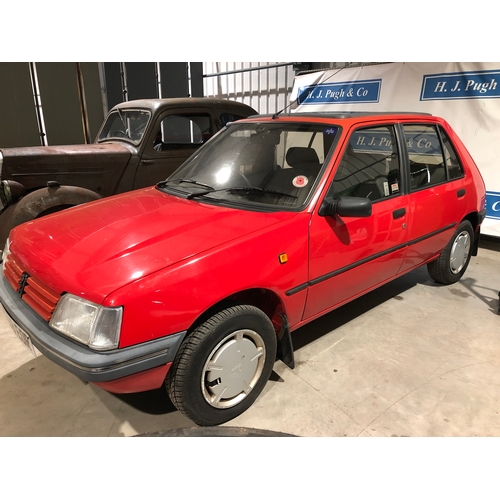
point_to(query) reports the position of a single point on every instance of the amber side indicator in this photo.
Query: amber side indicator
(283, 258)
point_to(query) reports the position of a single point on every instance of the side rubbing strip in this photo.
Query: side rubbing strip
(296, 289)
(430, 235)
(356, 264)
(325, 277)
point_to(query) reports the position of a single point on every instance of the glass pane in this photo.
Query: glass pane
(455, 170)
(182, 131)
(426, 157)
(126, 125)
(274, 164)
(370, 165)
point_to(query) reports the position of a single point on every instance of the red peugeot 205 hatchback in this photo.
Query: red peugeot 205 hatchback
(198, 282)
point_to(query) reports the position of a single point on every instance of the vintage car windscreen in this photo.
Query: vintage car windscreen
(128, 125)
(259, 164)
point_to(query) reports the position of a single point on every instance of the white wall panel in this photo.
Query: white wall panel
(267, 90)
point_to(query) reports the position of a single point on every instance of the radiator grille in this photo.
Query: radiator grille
(35, 293)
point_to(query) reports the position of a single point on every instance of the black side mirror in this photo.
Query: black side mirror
(346, 207)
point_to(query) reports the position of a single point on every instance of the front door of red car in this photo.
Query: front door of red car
(350, 255)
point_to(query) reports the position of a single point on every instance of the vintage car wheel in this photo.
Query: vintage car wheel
(450, 266)
(223, 365)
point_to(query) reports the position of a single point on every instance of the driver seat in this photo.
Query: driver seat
(303, 162)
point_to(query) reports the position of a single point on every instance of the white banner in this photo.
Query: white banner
(467, 95)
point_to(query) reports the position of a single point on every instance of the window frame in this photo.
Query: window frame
(436, 127)
(392, 128)
(189, 116)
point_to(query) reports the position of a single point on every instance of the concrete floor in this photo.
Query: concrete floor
(411, 359)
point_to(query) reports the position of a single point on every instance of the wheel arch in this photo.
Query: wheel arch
(271, 305)
(43, 201)
(47, 199)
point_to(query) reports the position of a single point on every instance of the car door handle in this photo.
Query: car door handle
(400, 212)
(461, 193)
(147, 162)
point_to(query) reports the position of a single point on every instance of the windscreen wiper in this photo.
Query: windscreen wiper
(241, 188)
(189, 181)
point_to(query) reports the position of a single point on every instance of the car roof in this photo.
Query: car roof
(347, 118)
(160, 104)
(348, 114)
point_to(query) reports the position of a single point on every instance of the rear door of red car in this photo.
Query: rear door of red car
(350, 255)
(438, 191)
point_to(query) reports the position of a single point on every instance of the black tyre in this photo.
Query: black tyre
(223, 365)
(450, 266)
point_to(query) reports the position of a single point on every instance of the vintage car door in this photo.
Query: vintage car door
(177, 134)
(350, 255)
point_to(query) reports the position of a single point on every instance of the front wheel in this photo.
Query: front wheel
(223, 365)
(450, 266)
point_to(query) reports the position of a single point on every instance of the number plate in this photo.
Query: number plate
(23, 336)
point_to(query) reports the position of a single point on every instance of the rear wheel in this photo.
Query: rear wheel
(450, 266)
(223, 365)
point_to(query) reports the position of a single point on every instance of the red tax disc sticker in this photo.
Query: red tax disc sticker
(300, 181)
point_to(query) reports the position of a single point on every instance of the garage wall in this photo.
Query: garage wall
(66, 102)
(40, 103)
(150, 80)
(266, 86)
(48, 108)
(18, 122)
(60, 98)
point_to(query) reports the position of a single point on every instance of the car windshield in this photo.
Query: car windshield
(256, 164)
(127, 124)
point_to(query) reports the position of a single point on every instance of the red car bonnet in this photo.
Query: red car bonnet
(102, 246)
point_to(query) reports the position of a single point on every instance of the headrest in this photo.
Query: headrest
(297, 156)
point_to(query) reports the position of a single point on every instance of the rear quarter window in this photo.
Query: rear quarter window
(453, 165)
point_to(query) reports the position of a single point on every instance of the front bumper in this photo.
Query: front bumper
(80, 360)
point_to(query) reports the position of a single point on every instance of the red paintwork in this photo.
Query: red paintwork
(91, 251)
(335, 245)
(167, 260)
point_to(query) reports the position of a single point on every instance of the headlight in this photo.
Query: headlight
(4, 195)
(10, 192)
(5, 254)
(88, 323)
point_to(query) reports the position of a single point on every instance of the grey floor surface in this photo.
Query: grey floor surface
(410, 359)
